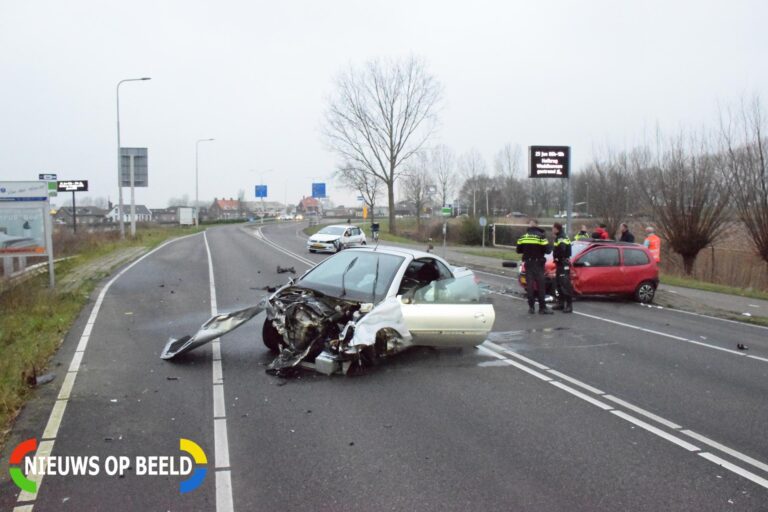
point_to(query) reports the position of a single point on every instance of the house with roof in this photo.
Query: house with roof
(309, 205)
(142, 214)
(225, 209)
(85, 215)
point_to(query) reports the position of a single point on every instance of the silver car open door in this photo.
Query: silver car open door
(448, 312)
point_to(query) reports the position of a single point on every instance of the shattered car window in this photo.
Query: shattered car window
(449, 291)
(351, 275)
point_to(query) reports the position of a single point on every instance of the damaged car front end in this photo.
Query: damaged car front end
(360, 306)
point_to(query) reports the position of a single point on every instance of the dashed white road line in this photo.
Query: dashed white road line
(224, 500)
(636, 421)
(45, 447)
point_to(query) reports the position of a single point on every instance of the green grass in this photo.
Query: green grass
(688, 282)
(489, 253)
(35, 319)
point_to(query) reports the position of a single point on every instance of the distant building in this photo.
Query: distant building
(142, 214)
(168, 215)
(85, 215)
(309, 205)
(226, 209)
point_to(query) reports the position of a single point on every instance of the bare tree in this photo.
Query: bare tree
(362, 182)
(472, 165)
(416, 185)
(443, 164)
(380, 116)
(509, 171)
(687, 193)
(610, 180)
(508, 161)
(745, 155)
(179, 201)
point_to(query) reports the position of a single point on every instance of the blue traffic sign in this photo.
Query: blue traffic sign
(261, 191)
(318, 190)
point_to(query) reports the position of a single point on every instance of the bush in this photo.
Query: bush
(470, 232)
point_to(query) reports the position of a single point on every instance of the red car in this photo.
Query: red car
(604, 267)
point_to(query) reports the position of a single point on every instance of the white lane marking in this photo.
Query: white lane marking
(224, 500)
(647, 414)
(44, 449)
(263, 238)
(714, 318)
(516, 355)
(659, 333)
(650, 428)
(736, 469)
(581, 395)
(584, 385)
(725, 449)
(758, 358)
(224, 482)
(66, 387)
(221, 443)
(74, 366)
(57, 412)
(515, 364)
(494, 275)
(23, 508)
(219, 409)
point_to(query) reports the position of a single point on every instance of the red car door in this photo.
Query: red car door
(596, 271)
(636, 267)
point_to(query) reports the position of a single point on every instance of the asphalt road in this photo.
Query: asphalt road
(617, 407)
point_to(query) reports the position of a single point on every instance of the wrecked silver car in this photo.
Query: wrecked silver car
(359, 306)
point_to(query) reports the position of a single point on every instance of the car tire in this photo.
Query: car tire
(312, 251)
(270, 336)
(645, 292)
(338, 246)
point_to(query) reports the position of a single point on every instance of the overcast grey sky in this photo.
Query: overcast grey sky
(256, 75)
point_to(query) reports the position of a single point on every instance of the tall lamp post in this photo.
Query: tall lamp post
(119, 173)
(197, 197)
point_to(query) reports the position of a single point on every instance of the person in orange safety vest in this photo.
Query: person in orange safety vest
(653, 243)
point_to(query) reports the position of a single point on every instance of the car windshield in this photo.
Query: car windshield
(331, 230)
(577, 248)
(352, 275)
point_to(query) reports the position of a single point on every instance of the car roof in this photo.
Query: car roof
(400, 251)
(344, 226)
(608, 242)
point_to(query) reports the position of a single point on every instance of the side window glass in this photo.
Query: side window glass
(635, 257)
(603, 257)
(462, 290)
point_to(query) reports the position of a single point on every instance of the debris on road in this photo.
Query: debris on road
(742, 346)
(171, 378)
(285, 270)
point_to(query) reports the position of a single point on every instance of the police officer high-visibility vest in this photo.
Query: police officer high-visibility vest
(653, 243)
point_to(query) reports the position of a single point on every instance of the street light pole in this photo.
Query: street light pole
(119, 173)
(197, 197)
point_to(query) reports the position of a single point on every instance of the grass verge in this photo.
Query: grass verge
(687, 282)
(35, 319)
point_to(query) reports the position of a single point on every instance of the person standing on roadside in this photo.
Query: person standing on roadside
(583, 234)
(626, 235)
(562, 255)
(600, 233)
(653, 243)
(534, 247)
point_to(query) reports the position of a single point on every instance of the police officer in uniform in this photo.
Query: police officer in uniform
(562, 256)
(533, 245)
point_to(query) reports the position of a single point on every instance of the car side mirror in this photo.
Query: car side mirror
(509, 264)
(405, 299)
(580, 264)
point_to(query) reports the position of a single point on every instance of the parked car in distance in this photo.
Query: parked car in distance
(336, 237)
(607, 268)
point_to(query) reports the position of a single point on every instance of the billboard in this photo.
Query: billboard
(549, 161)
(73, 186)
(140, 167)
(23, 211)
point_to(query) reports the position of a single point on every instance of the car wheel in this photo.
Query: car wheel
(337, 244)
(645, 292)
(270, 336)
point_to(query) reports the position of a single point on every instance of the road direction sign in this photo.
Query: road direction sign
(140, 167)
(261, 191)
(318, 190)
(446, 211)
(47, 177)
(483, 221)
